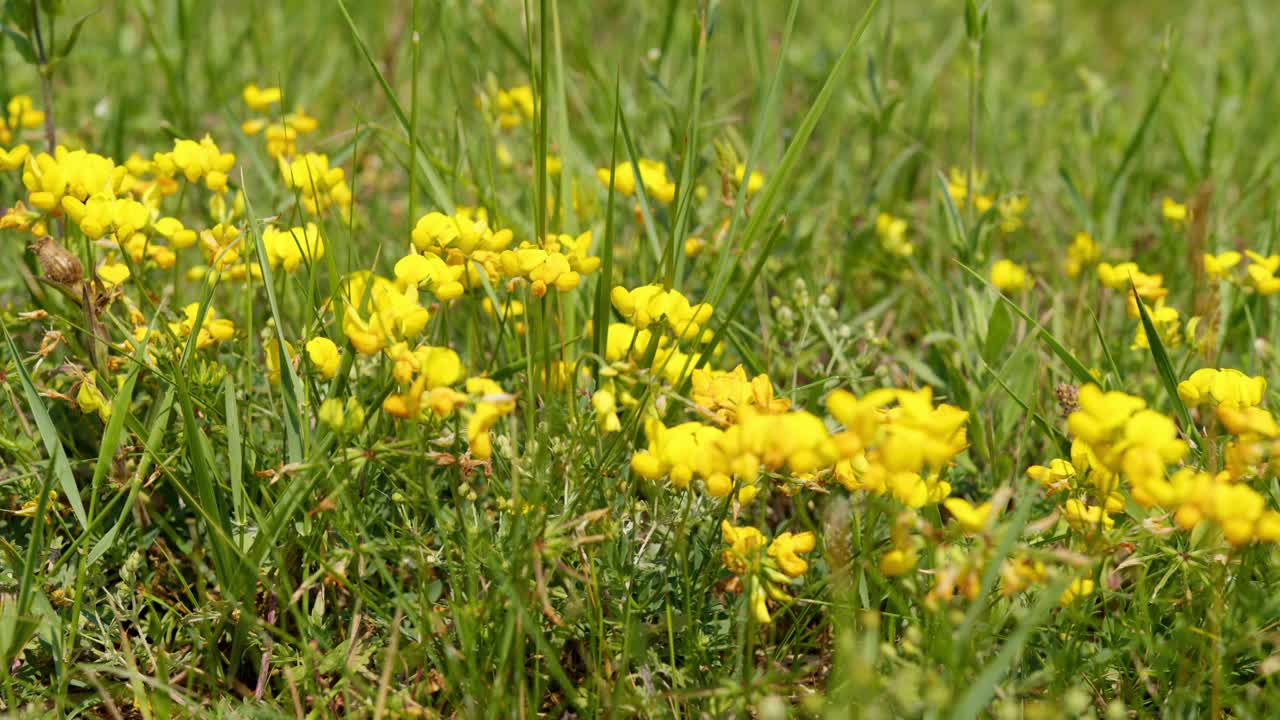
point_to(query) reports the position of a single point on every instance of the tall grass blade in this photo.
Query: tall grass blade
(48, 433)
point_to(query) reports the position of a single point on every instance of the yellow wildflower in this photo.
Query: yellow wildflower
(1174, 211)
(1008, 276)
(324, 355)
(1227, 387)
(971, 518)
(1082, 253)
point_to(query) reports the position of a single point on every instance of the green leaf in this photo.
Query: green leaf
(999, 327)
(48, 433)
(1078, 369)
(1168, 377)
(954, 222)
(70, 43)
(1139, 134)
(159, 426)
(972, 20)
(22, 14)
(22, 44)
(235, 447)
(290, 384)
(642, 193)
(119, 411)
(16, 630)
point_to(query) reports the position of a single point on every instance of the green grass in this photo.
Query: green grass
(209, 547)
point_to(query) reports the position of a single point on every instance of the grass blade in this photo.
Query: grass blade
(604, 283)
(983, 688)
(439, 192)
(289, 382)
(48, 434)
(1168, 377)
(770, 196)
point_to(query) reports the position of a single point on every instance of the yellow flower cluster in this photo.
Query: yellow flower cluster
(281, 136)
(292, 248)
(653, 176)
(1008, 209)
(381, 312)
(652, 305)
(77, 174)
(431, 273)
(463, 239)
(1008, 276)
(1227, 387)
(1126, 277)
(1082, 253)
(897, 442)
(892, 232)
(721, 394)
(20, 115)
(514, 105)
(1117, 437)
(319, 186)
(765, 568)
(1118, 277)
(425, 374)
(1251, 270)
(1173, 211)
(211, 331)
(196, 161)
(559, 261)
(490, 403)
(104, 200)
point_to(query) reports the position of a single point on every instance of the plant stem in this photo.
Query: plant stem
(46, 80)
(975, 55)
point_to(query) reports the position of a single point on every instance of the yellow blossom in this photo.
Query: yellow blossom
(432, 273)
(1054, 477)
(260, 99)
(1008, 276)
(1174, 211)
(1081, 587)
(971, 518)
(653, 175)
(290, 249)
(892, 232)
(113, 273)
(1227, 387)
(324, 355)
(721, 393)
(786, 548)
(1082, 253)
(211, 331)
(753, 184)
(745, 544)
(651, 304)
(90, 398)
(13, 158)
(343, 417)
(1217, 266)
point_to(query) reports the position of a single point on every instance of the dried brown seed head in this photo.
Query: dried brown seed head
(1068, 401)
(56, 262)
